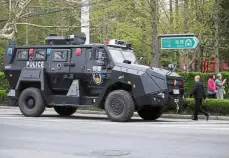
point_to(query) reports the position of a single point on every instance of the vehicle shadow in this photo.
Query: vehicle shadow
(99, 117)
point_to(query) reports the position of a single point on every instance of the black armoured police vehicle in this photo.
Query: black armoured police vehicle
(66, 73)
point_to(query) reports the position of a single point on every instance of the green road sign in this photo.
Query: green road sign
(179, 42)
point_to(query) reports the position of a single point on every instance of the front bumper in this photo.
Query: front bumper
(175, 100)
(160, 99)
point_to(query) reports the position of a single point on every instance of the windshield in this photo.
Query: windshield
(119, 55)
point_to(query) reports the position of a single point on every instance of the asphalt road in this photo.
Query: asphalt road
(94, 136)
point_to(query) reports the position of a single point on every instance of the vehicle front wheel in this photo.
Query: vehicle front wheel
(150, 113)
(31, 102)
(64, 110)
(119, 106)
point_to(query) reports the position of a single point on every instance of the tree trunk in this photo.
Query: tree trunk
(216, 27)
(171, 15)
(144, 35)
(177, 15)
(155, 53)
(186, 11)
(186, 31)
(198, 11)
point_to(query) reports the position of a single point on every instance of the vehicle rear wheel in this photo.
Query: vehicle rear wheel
(64, 110)
(150, 113)
(119, 106)
(31, 102)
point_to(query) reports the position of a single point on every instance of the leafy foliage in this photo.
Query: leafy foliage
(130, 20)
(3, 82)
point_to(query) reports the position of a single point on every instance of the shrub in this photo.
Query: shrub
(3, 82)
(3, 96)
(213, 106)
(189, 80)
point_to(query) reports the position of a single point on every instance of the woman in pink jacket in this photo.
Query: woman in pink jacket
(211, 87)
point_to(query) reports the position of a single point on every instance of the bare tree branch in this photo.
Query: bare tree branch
(7, 36)
(16, 9)
(41, 26)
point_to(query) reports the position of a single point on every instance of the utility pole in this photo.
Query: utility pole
(85, 28)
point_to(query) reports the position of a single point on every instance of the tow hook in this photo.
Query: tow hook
(178, 107)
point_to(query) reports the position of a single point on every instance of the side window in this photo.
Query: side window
(90, 55)
(22, 54)
(59, 55)
(99, 54)
(40, 54)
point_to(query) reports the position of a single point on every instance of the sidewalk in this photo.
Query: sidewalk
(169, 116)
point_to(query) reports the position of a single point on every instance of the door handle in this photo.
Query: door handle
(66, 64)
(69, 64)
(72, 64)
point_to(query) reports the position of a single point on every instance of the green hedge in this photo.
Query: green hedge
(213, 106)
(189, 79)
(3, 82)
(3, 97)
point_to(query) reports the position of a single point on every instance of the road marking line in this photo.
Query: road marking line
(213, 128)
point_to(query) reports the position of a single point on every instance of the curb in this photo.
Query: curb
(169, 116)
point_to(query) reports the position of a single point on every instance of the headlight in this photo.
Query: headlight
(162, 95)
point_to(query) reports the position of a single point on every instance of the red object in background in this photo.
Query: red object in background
(212, 66)
(205, 65)
(106, 42)
(31, 51)
(208, 64)
(224, 66)
(78, 51)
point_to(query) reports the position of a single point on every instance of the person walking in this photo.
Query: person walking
(199, 95)
(220, 86)
(211, 87)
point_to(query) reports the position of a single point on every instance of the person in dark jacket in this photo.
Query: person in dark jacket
(199, 94)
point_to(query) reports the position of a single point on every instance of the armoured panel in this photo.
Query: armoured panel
(149, 85)
(62, 100)
(31, 74)
(74, 89)
(11, 93)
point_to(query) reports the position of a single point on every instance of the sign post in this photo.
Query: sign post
(175, 41)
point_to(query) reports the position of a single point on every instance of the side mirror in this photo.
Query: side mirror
(141, 59)
(171, 67)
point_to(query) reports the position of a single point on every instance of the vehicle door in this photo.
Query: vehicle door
(59, 67)
(98, 69)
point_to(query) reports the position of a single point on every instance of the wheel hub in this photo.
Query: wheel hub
(30, 103)
(117, 106)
